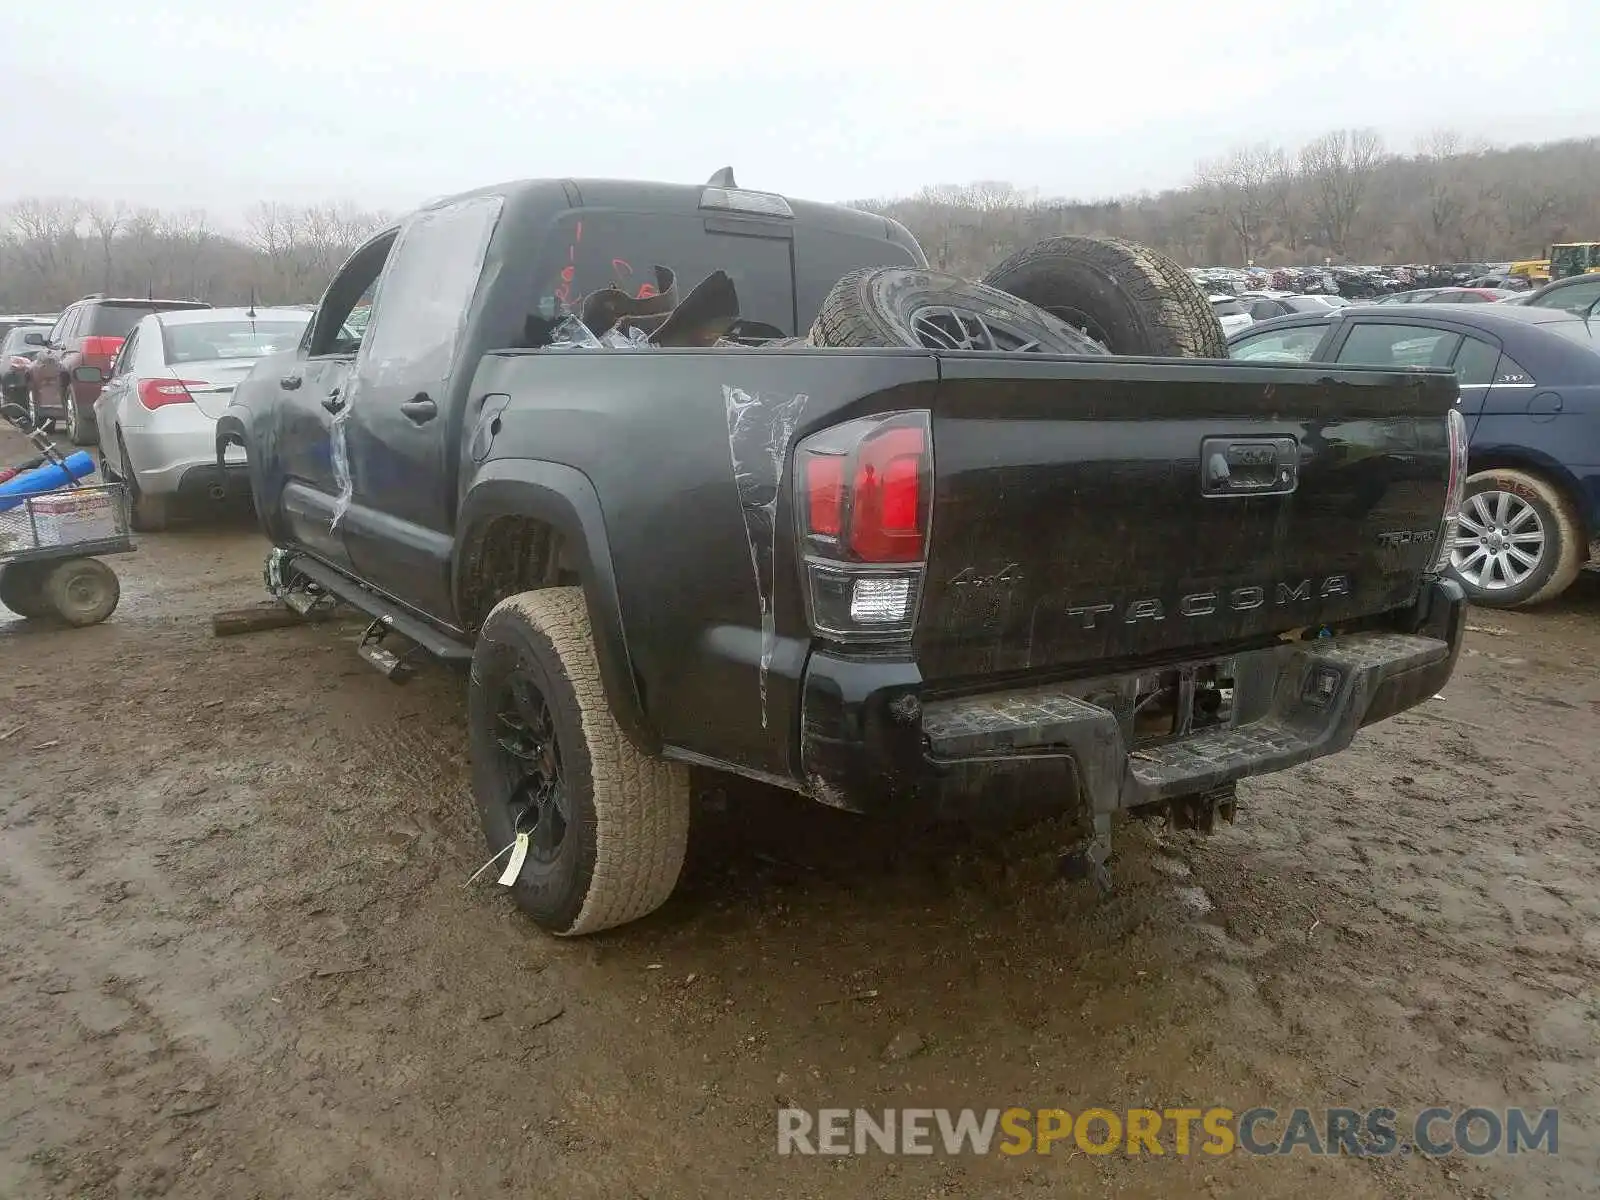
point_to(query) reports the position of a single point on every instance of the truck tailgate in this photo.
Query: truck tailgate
(1091, 512)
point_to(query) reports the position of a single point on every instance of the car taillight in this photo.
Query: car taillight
(101, 347)
(863, 509)
(1457, 433)
(158, 393)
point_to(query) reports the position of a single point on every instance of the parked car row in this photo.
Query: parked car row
(1529, 376)
(144, 379)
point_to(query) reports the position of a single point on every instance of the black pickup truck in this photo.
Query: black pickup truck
(897, 570)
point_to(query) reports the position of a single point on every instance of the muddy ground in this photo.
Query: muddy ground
(237, 957)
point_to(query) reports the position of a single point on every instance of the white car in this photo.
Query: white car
(157, 413)
(1232, 313)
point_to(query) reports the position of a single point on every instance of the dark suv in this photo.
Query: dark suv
(87, 334)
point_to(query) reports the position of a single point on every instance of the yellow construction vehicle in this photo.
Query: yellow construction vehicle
(1535, 270)
(1574, 258)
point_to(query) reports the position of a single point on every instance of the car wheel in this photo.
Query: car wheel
(82, 591)
(80, 429)
(22, 589)
(907, 306)
(1519, 541)
(1129, 298)
(147, 514)
(607, 825)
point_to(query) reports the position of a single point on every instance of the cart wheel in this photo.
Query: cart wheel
(22, 589)
(82, 591)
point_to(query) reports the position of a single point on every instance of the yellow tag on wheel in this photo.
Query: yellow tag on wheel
(519, 855)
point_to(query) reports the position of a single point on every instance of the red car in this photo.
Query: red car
(87, 334)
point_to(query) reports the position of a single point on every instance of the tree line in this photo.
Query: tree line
(1344, 196)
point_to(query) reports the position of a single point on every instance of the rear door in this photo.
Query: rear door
(1103, 512)
(403, 407)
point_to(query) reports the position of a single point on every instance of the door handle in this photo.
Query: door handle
(420, 409)
(289, 382)
(334, 402)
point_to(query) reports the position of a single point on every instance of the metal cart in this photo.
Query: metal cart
(48, 542)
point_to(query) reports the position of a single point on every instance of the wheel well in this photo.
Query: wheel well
(1574, 498)
(507, 555)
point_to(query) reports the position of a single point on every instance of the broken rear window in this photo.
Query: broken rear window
(588, 250)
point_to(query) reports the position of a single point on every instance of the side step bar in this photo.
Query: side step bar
(387, 616)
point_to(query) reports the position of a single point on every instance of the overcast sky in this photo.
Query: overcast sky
(201, 103)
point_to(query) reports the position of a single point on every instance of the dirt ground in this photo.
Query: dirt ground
(237, 958)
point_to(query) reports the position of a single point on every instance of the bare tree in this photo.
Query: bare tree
(106, 220)
(1339, 167)
(1241, 183)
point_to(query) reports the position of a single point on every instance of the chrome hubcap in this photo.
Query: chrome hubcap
(1500, 541)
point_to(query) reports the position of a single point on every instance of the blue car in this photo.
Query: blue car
(1530, 393)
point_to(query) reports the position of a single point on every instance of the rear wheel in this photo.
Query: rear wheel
(1519, 542)
(80, 429)
(607, 825)
(82, 591)
(903, 306)
(22, 589)
(1126, 296)
(146, 513)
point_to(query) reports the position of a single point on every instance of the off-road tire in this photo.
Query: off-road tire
(82, 591)
(874, 308)
(22, 589)
(629, 824)
(1133, 299)
(1565, 549)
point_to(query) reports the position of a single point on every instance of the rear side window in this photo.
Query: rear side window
(589, 249)
(420, 308)
(1265, 310)
(1475, 362)
(1373, 345)
(1281, 345)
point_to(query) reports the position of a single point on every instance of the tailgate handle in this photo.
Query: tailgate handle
(1266, 466)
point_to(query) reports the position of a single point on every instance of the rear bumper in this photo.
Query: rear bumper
(871, 741)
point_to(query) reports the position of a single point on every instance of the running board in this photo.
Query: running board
(386, 615)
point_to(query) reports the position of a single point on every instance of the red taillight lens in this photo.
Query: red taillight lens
(887, 497)
(101, 347)
(824, 494)
(158, 393)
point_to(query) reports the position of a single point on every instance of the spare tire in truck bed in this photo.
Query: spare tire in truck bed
(909, 306)
(1129, 298)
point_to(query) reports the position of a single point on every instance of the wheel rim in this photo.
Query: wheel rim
(945, 327)
(1500, 542)
(1082, 322)
(530, 752)
(83, 592)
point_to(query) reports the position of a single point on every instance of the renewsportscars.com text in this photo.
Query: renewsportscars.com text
(1374, 1132)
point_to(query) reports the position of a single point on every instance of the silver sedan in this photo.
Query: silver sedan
(158, 412)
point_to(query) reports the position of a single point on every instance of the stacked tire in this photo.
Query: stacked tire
(1064, 295)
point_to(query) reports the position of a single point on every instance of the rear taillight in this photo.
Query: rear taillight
(1457, 433)
(864, 503)
(101, 347)
(158, 393)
